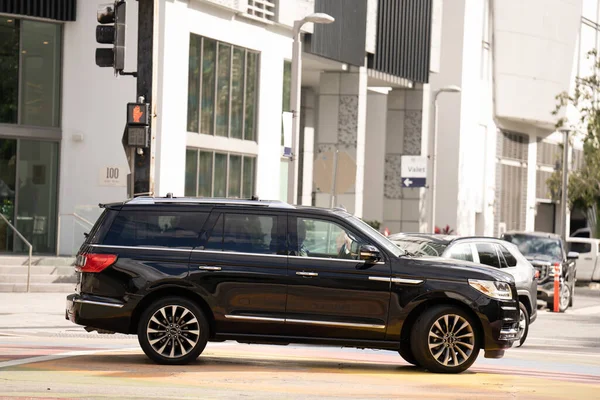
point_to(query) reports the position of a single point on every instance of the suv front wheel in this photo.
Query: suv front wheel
(445, 340)
(173, 330)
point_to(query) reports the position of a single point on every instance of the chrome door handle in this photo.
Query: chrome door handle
(207, 268)
(307, 273)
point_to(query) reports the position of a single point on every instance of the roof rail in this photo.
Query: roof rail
(170, 199)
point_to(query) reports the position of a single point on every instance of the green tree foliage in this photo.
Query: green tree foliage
(584, 184)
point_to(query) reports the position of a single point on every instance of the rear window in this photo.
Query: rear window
(580, 247)
(156, 229)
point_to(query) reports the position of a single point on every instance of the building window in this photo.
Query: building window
(222, 89)
(30, 53)
(262, 9)
(216, 174)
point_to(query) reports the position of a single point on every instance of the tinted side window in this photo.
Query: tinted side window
(245, 233)
(317, 238)
(580, 247)
(156, 229)
(461, 252)
(511, 261)
(487, 255)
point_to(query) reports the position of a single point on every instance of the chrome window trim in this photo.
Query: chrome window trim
(407, 281)
(333, 323)
(252, 318)
(110, 246)
(334, 259)
(98, 303)
(304, 321)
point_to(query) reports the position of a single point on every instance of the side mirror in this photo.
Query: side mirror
(573, 255)
(369, 254)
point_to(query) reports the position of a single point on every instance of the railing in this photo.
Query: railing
(78, 218)
(26, 242)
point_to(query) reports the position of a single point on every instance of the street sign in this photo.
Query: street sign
(413, 171)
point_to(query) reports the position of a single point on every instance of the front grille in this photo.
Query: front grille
(543, 269)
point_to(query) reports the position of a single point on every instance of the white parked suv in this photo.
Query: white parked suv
(588, 265)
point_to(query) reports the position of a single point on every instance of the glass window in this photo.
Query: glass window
(511, 261)
(237, 93)
(194, 83)
(245, 233)
(224, 73)
(40, 65)
(487, 255)
(316, 238)
(159, 229)
(210, 174)
(9, 70)
(587, 42)
(191, 168)
(420, 246)
(30, 53)
(235, 176)
(461, 252)
(580, 247)
(220, 177)
(205, 174)
(225, 77)
(209, 57)
(530, 245)
(248, 187)
(590, 10)
(251, 82)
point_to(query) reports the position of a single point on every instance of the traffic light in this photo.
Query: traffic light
(113, 14)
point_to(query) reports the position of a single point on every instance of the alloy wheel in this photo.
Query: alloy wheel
(173, 331)
(522, 325)
(565, 294)
(451, 340)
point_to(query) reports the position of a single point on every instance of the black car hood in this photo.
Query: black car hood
(466, 269)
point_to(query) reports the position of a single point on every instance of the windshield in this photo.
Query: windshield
(421, 246)
(535, 245)
(377, 236)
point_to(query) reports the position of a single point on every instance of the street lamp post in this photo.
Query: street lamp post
(564, 195)
(447, 89)
(316, 18)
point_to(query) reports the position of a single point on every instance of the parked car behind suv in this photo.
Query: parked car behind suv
(179, 272)
(588, 263)
(489, 251)
(545, 251)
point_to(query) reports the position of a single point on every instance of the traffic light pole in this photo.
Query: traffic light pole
(144, 159)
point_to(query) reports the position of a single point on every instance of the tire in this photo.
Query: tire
(572, 295)
(523, 324)
(565, 295)
(407, 354)
(188, 335)
(459, 344)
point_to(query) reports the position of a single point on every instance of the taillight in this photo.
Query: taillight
(95, 262)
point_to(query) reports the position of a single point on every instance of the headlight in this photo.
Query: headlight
(493, 289)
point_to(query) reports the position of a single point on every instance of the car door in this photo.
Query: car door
(586, 262)
(241, 266)
(331, 293)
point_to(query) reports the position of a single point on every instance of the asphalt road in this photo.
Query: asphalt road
(44, 356)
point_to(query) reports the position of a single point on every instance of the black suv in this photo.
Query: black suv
(179, 272)
(545, 251)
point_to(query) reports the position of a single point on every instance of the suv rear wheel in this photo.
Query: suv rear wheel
(445, 340)
(173, 330)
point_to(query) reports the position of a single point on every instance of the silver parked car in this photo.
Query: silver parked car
(483, 250)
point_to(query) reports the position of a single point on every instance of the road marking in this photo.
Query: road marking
(565, 353)
(586, 311)
(52, 357)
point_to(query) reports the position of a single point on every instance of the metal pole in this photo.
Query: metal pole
(29, 268)
(58, 236)
(434, 161)
(565, 186)
(295, 106)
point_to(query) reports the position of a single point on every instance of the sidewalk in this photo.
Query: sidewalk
(33, 312)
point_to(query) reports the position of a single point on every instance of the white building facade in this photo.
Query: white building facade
(223, 82)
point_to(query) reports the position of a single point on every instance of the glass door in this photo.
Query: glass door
(36, 195)
(8, 173)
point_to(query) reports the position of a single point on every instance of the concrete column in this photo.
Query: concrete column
(531, 184)
(375, 155)
(342, 127)
(402, 207)
(307, 145)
